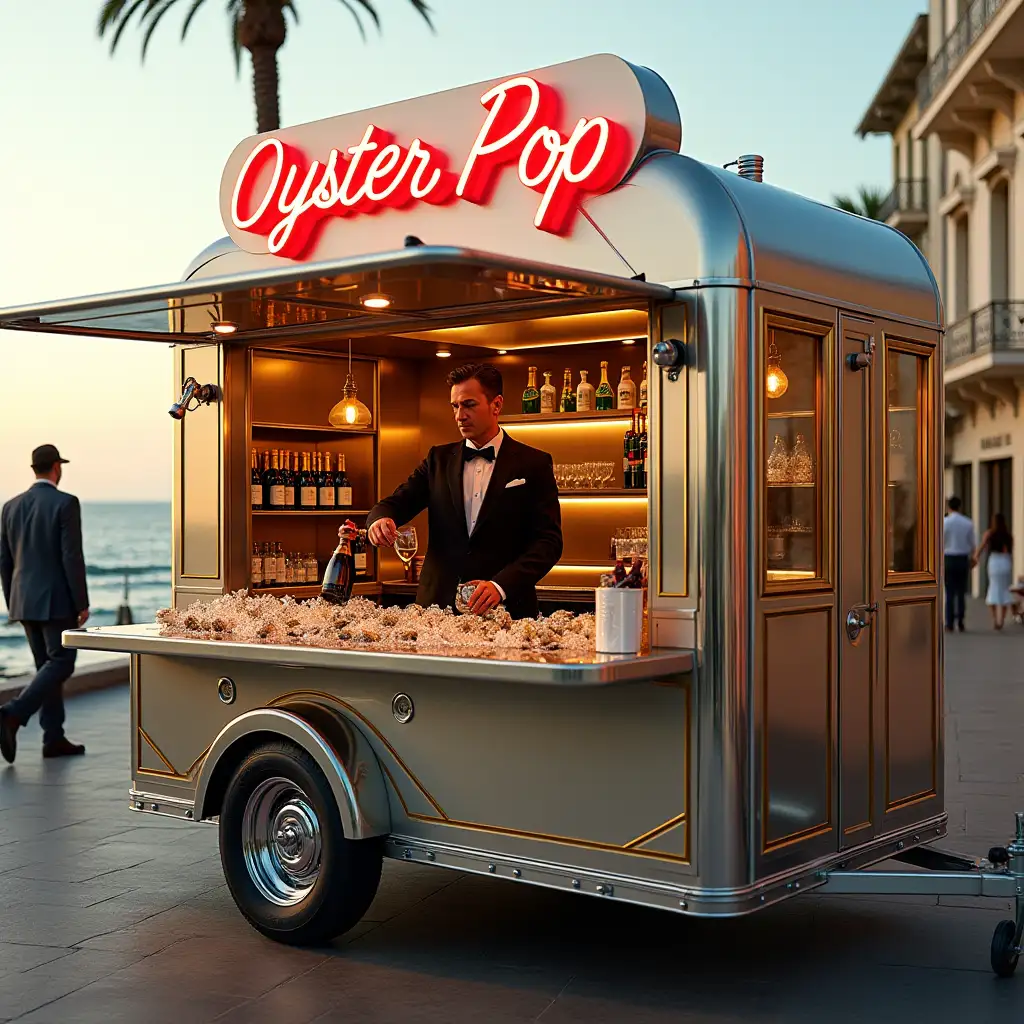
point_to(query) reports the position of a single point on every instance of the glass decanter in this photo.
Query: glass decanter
(778, 462)
(801, 465)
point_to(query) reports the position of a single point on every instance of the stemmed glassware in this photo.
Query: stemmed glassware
(406, 546)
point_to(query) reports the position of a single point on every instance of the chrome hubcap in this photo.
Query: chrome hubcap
(281, 841)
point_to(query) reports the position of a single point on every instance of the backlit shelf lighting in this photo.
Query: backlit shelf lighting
(564, 424)
(616, 499)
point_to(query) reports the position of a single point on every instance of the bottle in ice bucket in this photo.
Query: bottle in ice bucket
(340, 574)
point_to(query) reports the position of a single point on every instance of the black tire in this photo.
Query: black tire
(313, 906)
(1004, 955)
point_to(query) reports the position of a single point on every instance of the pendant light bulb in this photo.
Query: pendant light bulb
(776, 383)
(350, 412)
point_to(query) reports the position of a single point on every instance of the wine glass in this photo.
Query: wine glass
(406, 545)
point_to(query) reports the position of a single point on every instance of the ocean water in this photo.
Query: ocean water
(117, 539)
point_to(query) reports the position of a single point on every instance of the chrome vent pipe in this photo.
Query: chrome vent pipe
(750, 166)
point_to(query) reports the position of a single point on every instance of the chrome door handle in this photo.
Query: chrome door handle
(858, 618)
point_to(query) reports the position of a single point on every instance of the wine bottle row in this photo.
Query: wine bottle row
(585, 397)
(273, 567)
(634, 453)
(282, 483)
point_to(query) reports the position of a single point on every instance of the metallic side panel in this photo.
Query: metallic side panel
(858, 550)
(198, 471)
(911, 672)
(795, 724)
(237, 542)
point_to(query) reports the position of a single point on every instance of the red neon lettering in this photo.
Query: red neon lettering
(282, 195)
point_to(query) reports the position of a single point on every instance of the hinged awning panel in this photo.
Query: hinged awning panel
(422, 285)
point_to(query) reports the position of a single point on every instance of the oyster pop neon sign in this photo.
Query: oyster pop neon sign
(379, 173)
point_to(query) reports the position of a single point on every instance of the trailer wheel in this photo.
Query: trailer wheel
(1004, 949)
(289, 867)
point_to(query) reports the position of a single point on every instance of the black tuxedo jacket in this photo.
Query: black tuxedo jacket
(518, 534)
(42, 569)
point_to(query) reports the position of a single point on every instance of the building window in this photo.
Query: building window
(961, 267)
(963, 487)
(999, 240)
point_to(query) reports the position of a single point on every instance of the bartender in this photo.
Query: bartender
(493, 512)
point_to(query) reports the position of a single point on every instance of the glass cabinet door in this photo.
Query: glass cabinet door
(794, 417)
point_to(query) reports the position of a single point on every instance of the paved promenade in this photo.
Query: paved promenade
(110, 917)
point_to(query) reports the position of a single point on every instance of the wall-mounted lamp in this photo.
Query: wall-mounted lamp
(350, 412)
(194, 392)
(776, 383)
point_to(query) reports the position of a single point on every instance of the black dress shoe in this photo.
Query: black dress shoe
(63, 748)
(9, 727)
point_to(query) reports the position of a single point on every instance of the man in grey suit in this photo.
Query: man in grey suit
(42, 570)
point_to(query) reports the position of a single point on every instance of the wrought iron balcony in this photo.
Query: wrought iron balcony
(997, 327)
(907, 196)
(968, 29)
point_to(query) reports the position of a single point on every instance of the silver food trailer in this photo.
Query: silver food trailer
(782, 728)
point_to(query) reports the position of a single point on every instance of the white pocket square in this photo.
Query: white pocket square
(515, 483)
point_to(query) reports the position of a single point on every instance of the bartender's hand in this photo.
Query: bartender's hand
(382, 533)
(485, 597)
(83, 618)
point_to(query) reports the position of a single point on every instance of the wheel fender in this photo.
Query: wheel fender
(333, 741)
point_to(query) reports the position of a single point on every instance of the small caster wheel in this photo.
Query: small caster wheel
(1004, 949)
(999, 856)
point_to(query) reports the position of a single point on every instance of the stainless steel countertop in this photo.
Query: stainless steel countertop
(485, 665)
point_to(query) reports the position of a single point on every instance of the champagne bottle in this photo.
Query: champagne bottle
(584, 394)
(627, 390)
(289, 480)
(531, 396)
(628, 455)
(307, 485)
(643, 388)
(568, 403)
(275, 481)
(256, 482)
(547, 394)
(340, 574)
(269, 566)
(257, 565)
(604, 398)
(343, 486)
(325, 481)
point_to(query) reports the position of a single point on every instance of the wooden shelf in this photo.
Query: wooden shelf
(326, 429)
(569, 417)
(792, 485)
(606, 492)
(311, 512)
(902, 408)
(798, 414)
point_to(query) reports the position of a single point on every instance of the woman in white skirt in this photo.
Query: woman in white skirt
(999, 543)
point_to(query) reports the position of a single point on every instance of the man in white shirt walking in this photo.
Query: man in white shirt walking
(958, 542)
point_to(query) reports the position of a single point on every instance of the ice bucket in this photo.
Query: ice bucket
(620, 620)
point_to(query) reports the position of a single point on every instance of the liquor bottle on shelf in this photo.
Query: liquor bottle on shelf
(342, 485)
(547, 394)
(256, 482)
(627, 390)
(282, 565)
(359, 546)
(256, 573)
(325, 482)
(642, 451)
(643, 388)
(628, 455)
(568, 402)
(340, 574)
(269, 566)
(289, 480)
(274, 482)
(307, 486)
(531, 396)
(312, 568)
(604, 398)
(584, 394)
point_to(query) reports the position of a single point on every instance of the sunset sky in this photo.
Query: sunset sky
(110, 170)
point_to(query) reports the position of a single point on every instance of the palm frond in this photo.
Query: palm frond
(367, 6)
(355, 17)
(196, 4)
(424, 11)
(160, 7)
(234, 14)
(845, 203)
(114, 13)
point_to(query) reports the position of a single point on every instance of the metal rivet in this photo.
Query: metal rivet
(917, 839)
(226, 690)
(516, 873)
(407, 854)
(789, 885)
(762, 899)
(899, 845)
(682, 904)
(402, 707)
(188, 814)
(491, 868)
(154, 807)
(430, 856)
(139, 805)
(796, 885)
(575, 883)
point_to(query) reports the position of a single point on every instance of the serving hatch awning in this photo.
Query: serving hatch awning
(422, 286)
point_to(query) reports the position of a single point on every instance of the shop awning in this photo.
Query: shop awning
(411, 289)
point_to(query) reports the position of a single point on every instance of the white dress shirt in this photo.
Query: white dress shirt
(476, 477)
(957, 535)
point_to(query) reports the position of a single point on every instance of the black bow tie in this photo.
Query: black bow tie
(468, 454)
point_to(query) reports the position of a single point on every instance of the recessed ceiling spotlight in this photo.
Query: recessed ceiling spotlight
(502, 351)
(443, 353)
(223, 327)
(376, 300)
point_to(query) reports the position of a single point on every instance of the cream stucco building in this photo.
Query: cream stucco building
(953, 103)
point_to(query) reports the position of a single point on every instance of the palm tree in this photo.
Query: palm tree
(258, 26)
(868, 203)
